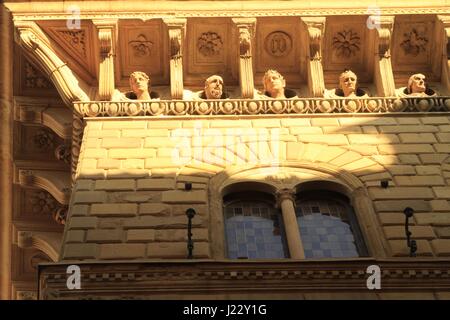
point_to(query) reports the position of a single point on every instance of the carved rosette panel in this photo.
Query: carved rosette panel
(414, 42)
(42, 203)
(209, 44)
(210, 49)
(278, 44)
(34, 79)
(412, 49)
(76, 39)
(346, 43)
(44, 139)
(141, 47)
(63, 153)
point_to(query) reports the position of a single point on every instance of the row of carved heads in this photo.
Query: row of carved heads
(274, 87)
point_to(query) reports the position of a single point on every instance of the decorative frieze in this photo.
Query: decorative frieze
(299, 276)
(252, 107)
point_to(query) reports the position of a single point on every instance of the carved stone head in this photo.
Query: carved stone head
(416, 84)
(140, 84)
(348, 83)
(274, 84)
(214, 87)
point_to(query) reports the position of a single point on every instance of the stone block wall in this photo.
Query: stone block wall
(129, 198)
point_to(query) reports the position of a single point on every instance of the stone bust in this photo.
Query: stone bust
(214, 87)
(417, 86)
(140, 86)
(275, 86)
(348, 86)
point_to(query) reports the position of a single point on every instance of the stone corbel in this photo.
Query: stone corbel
(246, 30)
(39, 48)
(316, 29)
(445, 73)
(57, 183)
(107, 40)
(47, 242)
(176, 35)
(55, 118)
(383, 74)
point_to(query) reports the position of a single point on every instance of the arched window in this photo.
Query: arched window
(253, 226)
(328, 226)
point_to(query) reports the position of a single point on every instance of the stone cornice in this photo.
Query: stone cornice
(258, 276)
(254, 107)
(166, 9)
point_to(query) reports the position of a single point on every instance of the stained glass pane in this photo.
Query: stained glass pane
(252, 231)
(324, 231)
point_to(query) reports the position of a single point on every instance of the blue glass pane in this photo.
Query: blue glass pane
(251, 233)
(323, 232)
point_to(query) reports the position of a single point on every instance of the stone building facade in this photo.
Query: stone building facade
(294, 197)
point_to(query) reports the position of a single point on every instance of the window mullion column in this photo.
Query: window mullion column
(286, 201)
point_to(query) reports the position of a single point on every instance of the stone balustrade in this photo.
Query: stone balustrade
(253, 107)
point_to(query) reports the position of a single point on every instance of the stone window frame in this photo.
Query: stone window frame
(325, 176)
